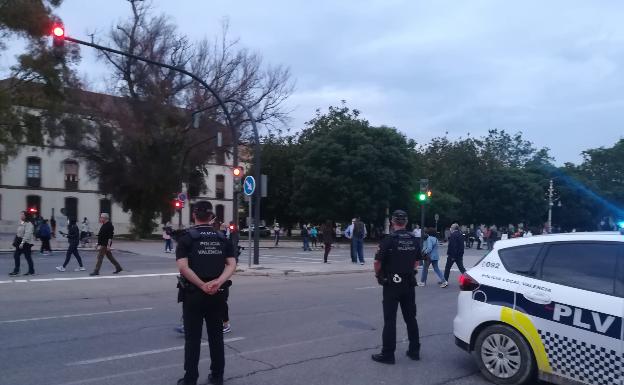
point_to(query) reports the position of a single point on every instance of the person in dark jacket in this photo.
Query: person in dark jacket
(44, 233)
(455, 252)
(105, 241)
(327, 231)
(73, 237)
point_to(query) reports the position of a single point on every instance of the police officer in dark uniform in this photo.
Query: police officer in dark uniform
(395, 264)
(206, 261)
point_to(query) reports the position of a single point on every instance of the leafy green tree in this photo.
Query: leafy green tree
(349, 168)
(279, 157)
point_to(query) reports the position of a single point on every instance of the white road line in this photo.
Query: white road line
(75, 315)
(90, 278)
(144, 353)
(367, 287)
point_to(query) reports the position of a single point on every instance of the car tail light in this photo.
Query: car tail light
(467, 283)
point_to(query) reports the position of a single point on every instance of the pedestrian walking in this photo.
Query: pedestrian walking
(356, 232)
(167, 236)
(305, 234)
(23, 243)
(492, 237)
(479, 235)
(53, 226)
(418, 234)
(276, 233)
(85, 232)
(395, 262)
(105, 241)
(314, 236)
(455, 252)
(206, 261)
(44, 233)
(431, 257)
(327, 232)
(73, 237)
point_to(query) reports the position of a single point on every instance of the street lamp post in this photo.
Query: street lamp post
(59, 34)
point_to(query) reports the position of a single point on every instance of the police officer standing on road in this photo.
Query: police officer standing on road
(206, 261)
(395, 264)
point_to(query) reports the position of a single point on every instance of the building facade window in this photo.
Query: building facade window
(33, 204)
(220, 210)
(71, 174)
(71, 207)
(220, 186)
(106, 207)
(220, 156)
(33, 172)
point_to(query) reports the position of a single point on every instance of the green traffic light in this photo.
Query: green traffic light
(422, 197)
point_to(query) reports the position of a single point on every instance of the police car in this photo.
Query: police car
(547, 307)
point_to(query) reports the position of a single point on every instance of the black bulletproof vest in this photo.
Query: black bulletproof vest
(402, 254)
(207, 257)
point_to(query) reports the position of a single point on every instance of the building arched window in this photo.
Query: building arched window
(33, 204)
(106, 207)
(33, 171)
(220, 186)
(71, 207)
(70, 167)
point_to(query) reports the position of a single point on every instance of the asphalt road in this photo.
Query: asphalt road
(66, 329)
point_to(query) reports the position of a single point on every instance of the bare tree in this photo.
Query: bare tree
(142, 149)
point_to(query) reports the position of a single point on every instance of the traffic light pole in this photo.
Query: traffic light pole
(228, 118)
(257, 176)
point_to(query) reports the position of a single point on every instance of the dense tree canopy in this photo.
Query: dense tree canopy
(340, 166)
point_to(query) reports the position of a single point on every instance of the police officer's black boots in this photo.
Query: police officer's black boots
(414, 355)
(215, 380)
(383, 358)
(183, 381)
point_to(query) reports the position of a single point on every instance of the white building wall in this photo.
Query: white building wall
(14, 190)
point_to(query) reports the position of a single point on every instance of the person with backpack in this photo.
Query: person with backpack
(73, 237)
(44, 233)
(430, 251)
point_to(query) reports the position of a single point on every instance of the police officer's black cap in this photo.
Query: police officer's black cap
(399, 216)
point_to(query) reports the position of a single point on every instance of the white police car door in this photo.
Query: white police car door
(572, 303)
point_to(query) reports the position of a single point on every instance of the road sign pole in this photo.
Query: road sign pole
(249, 227)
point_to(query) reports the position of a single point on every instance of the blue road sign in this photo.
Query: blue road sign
(249, 185)
(182, 197)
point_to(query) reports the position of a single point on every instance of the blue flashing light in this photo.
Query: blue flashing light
(620, 225)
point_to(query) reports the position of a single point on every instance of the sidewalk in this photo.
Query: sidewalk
(284, 260)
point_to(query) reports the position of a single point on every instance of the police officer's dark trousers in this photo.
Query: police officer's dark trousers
(403, 294)
(197, 308)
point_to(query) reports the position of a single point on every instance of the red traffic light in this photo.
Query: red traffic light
(178, 204)
(58, 31)
(32, 210)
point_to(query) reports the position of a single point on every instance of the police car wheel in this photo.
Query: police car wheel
(503, 356)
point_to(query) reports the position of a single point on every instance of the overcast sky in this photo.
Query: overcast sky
(551, 69)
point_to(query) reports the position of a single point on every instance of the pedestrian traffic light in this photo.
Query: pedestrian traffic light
(232, 228)
(32, 210)
(178, 204)
(58, 35)
(237, 172)
(429, 194)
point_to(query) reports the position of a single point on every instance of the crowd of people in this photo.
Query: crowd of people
(31, 228)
